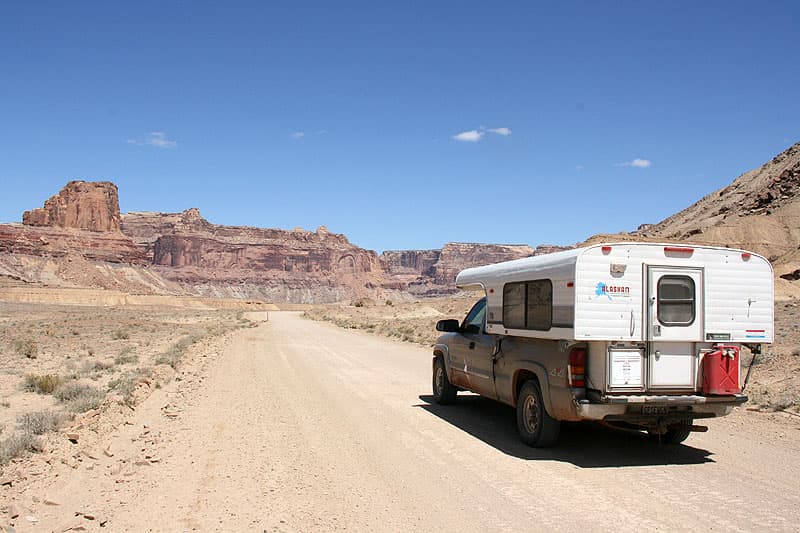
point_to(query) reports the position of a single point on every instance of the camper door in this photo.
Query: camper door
(675, 323)
(675, 298)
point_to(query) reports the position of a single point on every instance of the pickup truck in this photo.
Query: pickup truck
(634, 335)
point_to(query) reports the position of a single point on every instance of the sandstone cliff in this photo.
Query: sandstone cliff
(83, 219)
(433, 272)
(92, 206)
(278, 265)
(75, 241)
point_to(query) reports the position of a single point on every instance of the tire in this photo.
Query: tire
(443, 391)
(536, 427)
(675, 434)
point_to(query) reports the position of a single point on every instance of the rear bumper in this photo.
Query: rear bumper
(650, 407)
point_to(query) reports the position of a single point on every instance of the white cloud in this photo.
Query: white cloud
(579, 168)
(471, 136)
(298, 135)
(476, 135)
(154, 138)
(638, 163)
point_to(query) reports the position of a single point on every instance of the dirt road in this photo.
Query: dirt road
(298, 425)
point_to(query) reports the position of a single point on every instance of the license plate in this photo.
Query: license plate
(654, 410)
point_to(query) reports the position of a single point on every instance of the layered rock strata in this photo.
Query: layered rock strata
(295, 266)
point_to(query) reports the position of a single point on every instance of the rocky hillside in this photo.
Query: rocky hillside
(759, 211)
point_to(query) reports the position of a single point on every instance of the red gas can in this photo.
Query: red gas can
(721, 371)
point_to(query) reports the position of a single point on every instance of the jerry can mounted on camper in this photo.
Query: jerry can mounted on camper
(637, 335)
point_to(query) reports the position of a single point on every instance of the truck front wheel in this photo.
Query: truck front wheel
(443, 391)
(536, 427)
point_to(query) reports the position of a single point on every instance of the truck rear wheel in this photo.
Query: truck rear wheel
(675, 433)
(443, 391)
(536, 427)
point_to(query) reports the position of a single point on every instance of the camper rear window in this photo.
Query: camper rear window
(676, 300)
(528, 305)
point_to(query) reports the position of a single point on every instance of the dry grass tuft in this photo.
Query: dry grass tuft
(126, 384)
(175, 353)
(17, 445)
(26, 347)
(40, 422)
(120, 334)
(42, 384)
(78, 397)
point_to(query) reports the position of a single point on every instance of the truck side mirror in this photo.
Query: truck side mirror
(448, 326)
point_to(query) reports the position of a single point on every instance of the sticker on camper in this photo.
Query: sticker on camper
(611, 291)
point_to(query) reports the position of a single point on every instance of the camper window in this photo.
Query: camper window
(528, 305)
(676, 300)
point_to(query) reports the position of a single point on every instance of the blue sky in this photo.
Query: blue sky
(400, 124)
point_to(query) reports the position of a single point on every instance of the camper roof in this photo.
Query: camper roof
(477, 276)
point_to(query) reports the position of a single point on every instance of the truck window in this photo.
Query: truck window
(528, 305)
(476, 316)
(676, 300)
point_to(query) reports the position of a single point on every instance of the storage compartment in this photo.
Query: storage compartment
(721, 371)
(672, 366)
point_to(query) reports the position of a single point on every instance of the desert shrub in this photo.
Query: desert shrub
(120, 334)
(783, 401)
(126, 356)
(389, 302)
(175, 353)
(126, 384)
(26, 347)
(78, 397)
(92, 367)
(42, 384)
(16, 445)
(39, 422)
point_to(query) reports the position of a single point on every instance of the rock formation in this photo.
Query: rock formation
(457, 256)
(83, 219)
(433, 272)
(92, 206)
(278, 265)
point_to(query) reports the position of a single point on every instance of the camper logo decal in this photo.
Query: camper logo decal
(611, 291)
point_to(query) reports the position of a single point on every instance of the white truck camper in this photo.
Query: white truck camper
(638, 335)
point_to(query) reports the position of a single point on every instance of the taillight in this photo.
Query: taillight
(577, 367)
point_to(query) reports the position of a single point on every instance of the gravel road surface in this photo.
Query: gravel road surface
(297, 426)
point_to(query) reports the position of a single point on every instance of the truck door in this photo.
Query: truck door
(675, 324)
(473, 349)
